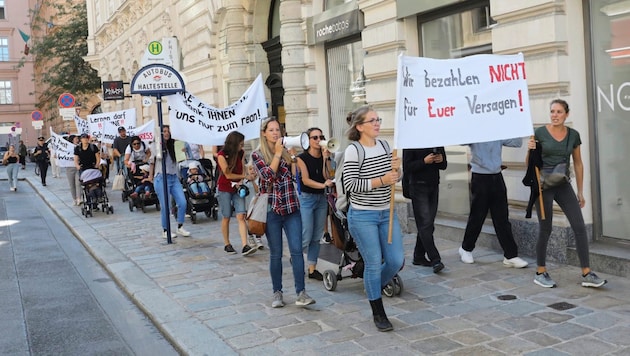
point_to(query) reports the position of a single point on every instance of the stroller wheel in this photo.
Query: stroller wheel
(111, 209)
(131, 205)
(388, 290)
(124, 196)
(193, 217)
(208, 213)
(215, 213)
(330, 280)
(398, 284)
(157, 206)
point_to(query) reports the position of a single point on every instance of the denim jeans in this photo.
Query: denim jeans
(312, 224)
(227, 200)
(382, 260)
(176, 191)
(198, 187)
(12, 174)
(292, 225)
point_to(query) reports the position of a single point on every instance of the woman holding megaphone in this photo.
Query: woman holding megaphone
(313, 182)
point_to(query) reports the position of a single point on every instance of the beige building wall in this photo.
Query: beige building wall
(17, 17)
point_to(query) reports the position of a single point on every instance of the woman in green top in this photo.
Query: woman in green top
(559, 142)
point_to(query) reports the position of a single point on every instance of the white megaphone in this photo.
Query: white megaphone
(296, 141)
(331, 145)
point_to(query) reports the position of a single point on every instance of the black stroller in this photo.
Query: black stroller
(203, 202)
(94, 194)
(142, 200)
(351, 260)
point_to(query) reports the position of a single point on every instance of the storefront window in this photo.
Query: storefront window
(346, 84)
(610, 32)
(457, 32)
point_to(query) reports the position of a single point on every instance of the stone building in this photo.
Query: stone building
(322, 58)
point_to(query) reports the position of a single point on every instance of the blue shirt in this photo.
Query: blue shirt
(486, 156)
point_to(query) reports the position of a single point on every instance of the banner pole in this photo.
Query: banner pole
(391, 205)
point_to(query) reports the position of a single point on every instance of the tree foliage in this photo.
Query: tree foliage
(59, 52)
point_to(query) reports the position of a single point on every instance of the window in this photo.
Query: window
(2, 15)
(481, 19)
(4, 49)
(332, 3)
(6, 96)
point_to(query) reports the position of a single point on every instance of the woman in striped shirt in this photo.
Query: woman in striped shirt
(369, 184)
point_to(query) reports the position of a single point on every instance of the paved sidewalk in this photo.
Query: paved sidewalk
(210, 303)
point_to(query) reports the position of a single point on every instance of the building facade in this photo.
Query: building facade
(16, 74)
(322, 58)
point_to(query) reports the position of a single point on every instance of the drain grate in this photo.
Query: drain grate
(561, 306)
(506, 297)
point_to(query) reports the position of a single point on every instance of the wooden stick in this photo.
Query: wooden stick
(391, 207)
(540, 194)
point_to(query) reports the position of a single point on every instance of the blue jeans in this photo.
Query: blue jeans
(312, 224)
(382, 260)
(176, 191)
(292, 225)
(12, 174)
(197, 188)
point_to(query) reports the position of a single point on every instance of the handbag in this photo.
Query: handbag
(119, 181)
(556, 175)
(257, 214)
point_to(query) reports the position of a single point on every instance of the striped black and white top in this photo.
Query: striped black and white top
(357, 183)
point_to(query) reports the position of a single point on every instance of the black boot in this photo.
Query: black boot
(380, 318)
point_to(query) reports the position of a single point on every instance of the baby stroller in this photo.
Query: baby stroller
(351, 260)
(94, 194)
(205, 202)
(142, 200)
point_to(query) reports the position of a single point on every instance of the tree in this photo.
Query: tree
(58, 50)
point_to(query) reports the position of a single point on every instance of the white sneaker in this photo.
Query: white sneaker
(164, 234)
(465, 256)
(259, 243)
(251, 241)
(515, 262)
(182, 232)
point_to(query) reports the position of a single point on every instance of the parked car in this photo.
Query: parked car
(3, 150)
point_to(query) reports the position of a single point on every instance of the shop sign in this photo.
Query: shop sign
(328, 29)
(113, 90)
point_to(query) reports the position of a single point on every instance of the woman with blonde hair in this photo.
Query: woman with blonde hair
(275, 167)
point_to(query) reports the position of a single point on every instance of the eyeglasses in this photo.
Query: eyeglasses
(40, 139)
(322, 137)
(374, 121)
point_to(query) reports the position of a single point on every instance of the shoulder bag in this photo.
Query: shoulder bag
(257, 214)
(559, 174)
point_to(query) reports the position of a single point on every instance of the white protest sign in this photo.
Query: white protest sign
(442, 102)
(107, 133)
(82, 125)
(63, 149)
(145, 132)
(196, 122)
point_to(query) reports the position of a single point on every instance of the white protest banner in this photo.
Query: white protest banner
(126, 118)
(145, 132)
(442, 102)
(63, 149)
(82, 125)
(195, 122)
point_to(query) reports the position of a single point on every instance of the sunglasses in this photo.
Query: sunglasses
(322, 137)
(374, 121)
(136, 143)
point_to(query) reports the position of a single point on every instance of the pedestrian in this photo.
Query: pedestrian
(559, 143)
(275, 169)
(42, 157)
(23, 152)
(119, 146)
(369, 187)
(56, 173)
(252, 186)
(137, 153)
(72, 174)
(86, 155)
(422, 172)
(490, 194)
(231, 162)
(11, 159)
(313, 179)
(173, 185)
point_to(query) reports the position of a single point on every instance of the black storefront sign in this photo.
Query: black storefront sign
(113, 90)
(338, 27)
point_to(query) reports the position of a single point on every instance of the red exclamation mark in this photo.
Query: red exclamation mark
(520, 99)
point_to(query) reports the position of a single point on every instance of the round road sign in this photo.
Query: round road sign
(37, 115)
(66, 100)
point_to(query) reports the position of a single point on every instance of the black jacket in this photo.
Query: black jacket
(417, 171)
(531, 180)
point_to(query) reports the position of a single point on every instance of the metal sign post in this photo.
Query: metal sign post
(158, 80)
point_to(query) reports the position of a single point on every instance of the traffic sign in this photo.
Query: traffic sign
(37, 115)
(157, 79)
(66, 100)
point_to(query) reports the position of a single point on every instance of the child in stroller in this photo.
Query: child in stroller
(144, 183)
(351, 259)
(94, 192)
(197, 182)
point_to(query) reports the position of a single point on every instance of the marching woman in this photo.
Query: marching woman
(369, 186)
(558, 143)
(274, 166)
(313, 182)
(11, 159)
